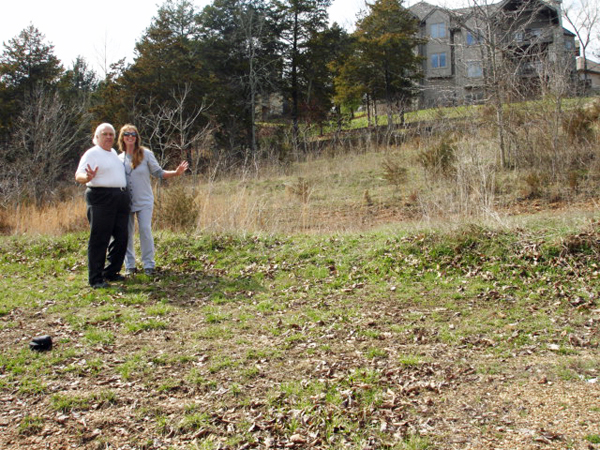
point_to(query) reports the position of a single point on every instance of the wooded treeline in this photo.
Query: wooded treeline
(202, 86)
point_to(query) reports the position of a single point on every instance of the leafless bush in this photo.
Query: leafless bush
(301, 190)
(393, 172)
(47, 130)
(173, 130)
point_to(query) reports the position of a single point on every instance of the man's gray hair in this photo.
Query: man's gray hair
(99, 130)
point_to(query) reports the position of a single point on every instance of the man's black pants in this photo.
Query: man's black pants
(108, 214)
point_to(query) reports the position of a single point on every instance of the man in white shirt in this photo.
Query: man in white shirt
(108, 203)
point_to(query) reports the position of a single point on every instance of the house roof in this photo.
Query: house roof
(592, 66)
(423, 9)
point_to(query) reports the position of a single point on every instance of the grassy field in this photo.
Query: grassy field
(468, 338)
(413, 294)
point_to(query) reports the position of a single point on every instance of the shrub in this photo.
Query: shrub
(175, 208)
(534, 182)
(301, 190)
(578, 125)
(439, 159)
(393, 172)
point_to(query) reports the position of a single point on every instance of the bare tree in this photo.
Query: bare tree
(261, 77)
(47, 131)
(584, 17)
(173, 129)
(522, 49)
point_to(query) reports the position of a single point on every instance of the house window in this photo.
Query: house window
(474, 69)
(438, 30)
(535, 32)
(474, 38)
(438, 60)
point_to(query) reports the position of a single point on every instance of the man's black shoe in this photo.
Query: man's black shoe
(116, 277)
(100, 285)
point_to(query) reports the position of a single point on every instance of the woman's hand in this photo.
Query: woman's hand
(182, 167)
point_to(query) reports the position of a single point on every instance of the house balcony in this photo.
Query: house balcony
(529, 37)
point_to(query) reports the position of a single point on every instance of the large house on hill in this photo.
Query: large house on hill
(520, 43)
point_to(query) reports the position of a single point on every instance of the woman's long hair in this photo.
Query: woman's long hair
(138, 150)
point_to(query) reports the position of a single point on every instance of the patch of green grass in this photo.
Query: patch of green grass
(263, 354)
(134, 299)
(97, 336)
(195, 378)
(251, 372)
(372, 334)
(67, 402)
(213, 315)
(32, 385)
(30, 425)
(375, 352)
(294, 339)
(416, 442)
(135, 365)
(266, 306)
(220, 363)
(146, 324)
(410, 360)
(193, 421)
(169, 384)
(159, 309)
(162, 424)
(213, 331)
(593, 438)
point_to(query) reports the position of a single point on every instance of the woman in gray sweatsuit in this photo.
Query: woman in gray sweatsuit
(139, 164)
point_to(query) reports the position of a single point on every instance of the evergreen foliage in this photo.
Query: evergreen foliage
(386, 39)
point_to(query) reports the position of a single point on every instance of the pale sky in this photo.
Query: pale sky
(104, 32)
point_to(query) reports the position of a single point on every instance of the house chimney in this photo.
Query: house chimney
(559, 32)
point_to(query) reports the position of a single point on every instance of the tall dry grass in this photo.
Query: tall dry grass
(53, 219)
(446, 170)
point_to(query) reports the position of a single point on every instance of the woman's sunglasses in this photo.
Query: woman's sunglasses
(130, 133)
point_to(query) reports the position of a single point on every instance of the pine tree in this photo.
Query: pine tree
(240, 46)
(26, 63)
(167, 59)
(386, 43)
(302, 20)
